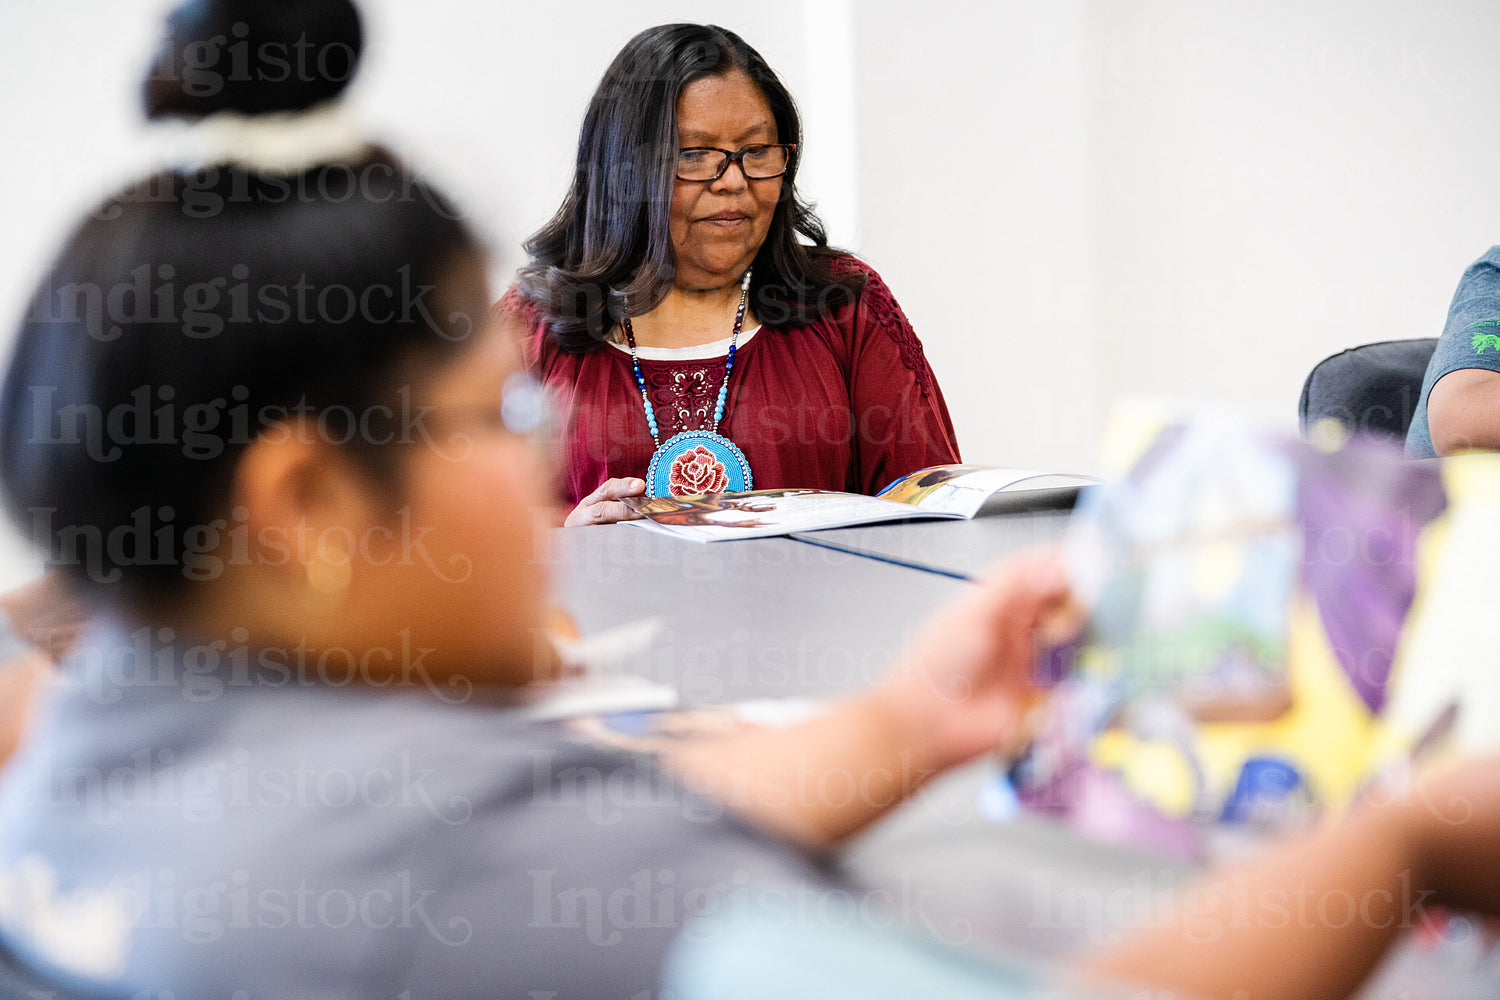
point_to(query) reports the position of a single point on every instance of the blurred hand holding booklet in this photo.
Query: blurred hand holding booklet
(1275, 632)
(939, 492)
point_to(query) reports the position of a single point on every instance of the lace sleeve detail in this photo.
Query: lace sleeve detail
(878, 307)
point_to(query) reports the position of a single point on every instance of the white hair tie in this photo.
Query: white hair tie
(284, 142)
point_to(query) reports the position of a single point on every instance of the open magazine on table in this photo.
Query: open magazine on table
(943, 491)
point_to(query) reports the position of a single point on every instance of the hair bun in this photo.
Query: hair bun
(252, 57)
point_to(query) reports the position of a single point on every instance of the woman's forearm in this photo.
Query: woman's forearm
(1311, 920)
(1312, 917)
(817, 782)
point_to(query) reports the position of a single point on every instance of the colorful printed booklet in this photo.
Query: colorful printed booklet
(1274, 633)
(943, 491)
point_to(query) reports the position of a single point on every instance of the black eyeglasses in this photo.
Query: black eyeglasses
(757, 163)
(525, 409)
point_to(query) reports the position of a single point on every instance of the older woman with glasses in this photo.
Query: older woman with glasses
(684, 305)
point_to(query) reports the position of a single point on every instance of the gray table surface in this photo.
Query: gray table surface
(760, 618)
(960, 548)
(778, 617)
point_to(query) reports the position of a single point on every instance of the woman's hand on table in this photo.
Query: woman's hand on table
(604, 506)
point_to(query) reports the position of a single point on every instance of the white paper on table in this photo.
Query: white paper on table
(596, 685)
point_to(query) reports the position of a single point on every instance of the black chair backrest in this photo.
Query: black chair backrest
(1373, 388)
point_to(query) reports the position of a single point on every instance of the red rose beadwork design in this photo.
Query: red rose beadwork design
(697, 471)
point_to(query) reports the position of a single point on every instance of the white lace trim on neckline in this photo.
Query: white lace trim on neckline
(698, 352)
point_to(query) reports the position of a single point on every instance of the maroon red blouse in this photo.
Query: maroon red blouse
(847, 402)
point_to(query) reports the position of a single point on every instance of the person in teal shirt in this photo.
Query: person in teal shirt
(1459, 404)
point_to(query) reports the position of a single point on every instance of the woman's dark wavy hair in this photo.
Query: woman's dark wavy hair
(609, 243)
(194, 309)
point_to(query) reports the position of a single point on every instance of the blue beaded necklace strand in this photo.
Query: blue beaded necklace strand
(700, 461)
(734, 340)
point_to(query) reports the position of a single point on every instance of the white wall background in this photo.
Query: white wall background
(1071, 198)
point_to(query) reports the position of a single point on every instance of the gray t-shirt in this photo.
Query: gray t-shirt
(1471, 339)
(219, 822)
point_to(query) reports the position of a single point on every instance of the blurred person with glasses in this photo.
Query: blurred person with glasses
(684, 293)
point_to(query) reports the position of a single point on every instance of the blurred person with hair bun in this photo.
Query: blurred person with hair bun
(290, 756)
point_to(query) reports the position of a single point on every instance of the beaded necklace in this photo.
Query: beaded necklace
(701, 461)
